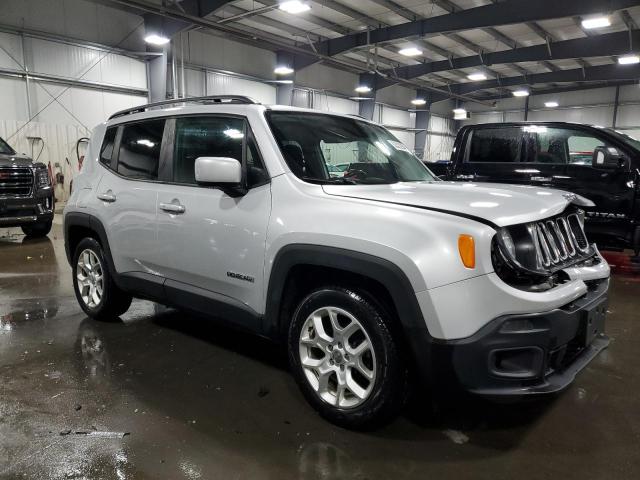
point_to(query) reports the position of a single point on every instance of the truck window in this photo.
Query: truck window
(581, 149)
(564, 146)
(496, 145)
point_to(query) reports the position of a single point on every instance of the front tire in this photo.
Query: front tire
(37, 230)
(345, 359)
(97, 293)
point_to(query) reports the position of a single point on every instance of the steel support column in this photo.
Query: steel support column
(423, 116)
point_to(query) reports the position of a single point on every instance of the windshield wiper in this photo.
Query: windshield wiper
(330, 181)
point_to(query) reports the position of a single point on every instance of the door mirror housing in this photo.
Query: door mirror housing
(223, 172)
(607, 157)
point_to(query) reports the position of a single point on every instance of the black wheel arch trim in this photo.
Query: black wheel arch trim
(379, 269)
(86, 220)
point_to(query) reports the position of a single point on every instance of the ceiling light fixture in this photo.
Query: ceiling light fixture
(520, 93)
(294, 7)
(283, 70)
(363, 89)
(460, 114)
(596, 22)
(155, 39)
(629, 60)
(419, 101)
(477, 77)
(551, 104)
(410, 52)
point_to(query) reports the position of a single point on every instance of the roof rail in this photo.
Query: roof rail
(208, 100)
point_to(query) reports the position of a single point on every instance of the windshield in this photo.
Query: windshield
(323, 148)
(5, 148)
(629, 140)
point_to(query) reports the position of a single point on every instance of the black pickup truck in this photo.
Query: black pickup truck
(598, 163)
(26, 194)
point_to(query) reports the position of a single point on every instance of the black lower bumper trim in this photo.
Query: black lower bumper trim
(554, 383)
(519, 355)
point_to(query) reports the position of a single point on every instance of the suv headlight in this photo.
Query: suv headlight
(42, 178)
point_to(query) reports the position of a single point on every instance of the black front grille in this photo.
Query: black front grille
(15, 182)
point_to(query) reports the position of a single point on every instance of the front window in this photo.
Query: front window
(5, 148)
(324, 148)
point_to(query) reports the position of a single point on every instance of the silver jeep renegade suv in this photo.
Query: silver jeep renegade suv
(373, 277)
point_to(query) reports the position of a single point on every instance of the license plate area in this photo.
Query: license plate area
(593, 321)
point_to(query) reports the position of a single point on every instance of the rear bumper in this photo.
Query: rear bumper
(15, 212)
(521, 355)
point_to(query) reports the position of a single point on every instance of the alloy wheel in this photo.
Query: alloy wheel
(337, 357)
(89, 278)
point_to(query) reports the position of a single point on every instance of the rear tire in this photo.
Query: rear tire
(345, 359)
(97, 293)
(37, 230)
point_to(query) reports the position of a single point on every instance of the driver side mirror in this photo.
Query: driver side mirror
(223, 172)
(607, 157)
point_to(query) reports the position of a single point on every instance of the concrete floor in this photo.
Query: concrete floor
(197, 401)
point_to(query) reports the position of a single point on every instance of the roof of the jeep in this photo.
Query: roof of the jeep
(210, 104)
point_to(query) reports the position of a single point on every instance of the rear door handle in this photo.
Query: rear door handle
(172, 207)
(107, 196)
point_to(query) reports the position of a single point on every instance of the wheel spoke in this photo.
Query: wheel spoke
(354, 388)
(313, 363)
(321, 334)
(359, 350)
(323, 381)
(349, 330)
(363, 369)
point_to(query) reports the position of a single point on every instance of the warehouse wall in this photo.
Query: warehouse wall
(594, 106)
(60, 114)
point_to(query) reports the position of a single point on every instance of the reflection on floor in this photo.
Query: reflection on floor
(168, 395)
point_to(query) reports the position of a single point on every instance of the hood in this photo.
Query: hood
(493, 203)
(16, 160)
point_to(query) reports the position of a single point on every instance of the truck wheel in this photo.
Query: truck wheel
(37, 229)
(345, 359)
(95, 289)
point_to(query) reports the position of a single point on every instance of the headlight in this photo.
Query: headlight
(42, 178)
(506, 241)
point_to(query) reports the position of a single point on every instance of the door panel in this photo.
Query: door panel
(218, 242)
(611, 190)
(207, 238)
(127, 199)
(129, 220)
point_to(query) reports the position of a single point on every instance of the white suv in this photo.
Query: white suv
(226, 207)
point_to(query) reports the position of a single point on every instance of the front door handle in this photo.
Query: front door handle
(541, 179)
(107, 196)
(465, 177)
(172, 207)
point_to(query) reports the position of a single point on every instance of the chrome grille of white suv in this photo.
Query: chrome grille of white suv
(559, 239)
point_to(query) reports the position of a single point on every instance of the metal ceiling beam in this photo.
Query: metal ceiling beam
(169, 27)
(573, 88)
(590, 74)
(505, 13)
(601, 45)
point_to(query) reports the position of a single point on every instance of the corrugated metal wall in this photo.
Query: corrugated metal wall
(61, 114)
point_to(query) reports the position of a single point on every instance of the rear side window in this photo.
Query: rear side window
(496, 145)
(108, 146)
(139, 153)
